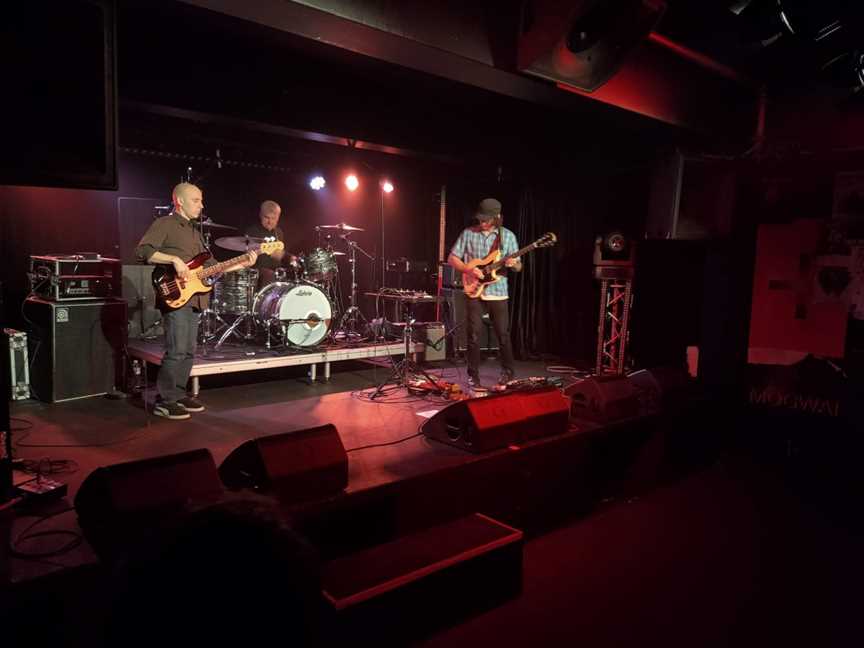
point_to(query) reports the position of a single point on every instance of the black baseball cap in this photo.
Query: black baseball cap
(488, 209)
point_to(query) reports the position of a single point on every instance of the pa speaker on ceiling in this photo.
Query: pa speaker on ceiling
(582, 42)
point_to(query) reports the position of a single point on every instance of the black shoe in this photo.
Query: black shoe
(173, 411)
(191, 404)
(506, 377)
(474, 383)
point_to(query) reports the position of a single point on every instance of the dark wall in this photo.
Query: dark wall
(65, 221)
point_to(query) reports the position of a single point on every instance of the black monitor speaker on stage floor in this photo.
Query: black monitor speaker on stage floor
(496, 421)
(614, 398)
(295, 466)
(117, 503)
(605, 399)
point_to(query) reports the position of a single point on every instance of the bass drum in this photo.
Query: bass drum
(302, 311)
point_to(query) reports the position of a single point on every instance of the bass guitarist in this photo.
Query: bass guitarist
(173, 240)
(479, 242)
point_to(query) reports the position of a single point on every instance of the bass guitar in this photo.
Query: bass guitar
(490, 265)
(172, 292)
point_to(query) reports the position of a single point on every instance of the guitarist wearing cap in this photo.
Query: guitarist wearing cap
(173, 241)
(476, 243)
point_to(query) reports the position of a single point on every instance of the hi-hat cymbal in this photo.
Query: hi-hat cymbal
(210, 223)
(344, 227)
(239, 243)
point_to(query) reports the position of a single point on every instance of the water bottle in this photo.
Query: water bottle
(136, 371)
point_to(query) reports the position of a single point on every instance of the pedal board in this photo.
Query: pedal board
(43, 488)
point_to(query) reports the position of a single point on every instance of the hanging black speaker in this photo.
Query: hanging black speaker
(582, 43)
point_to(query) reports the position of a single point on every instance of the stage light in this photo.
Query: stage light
(386, 186)
(317, 183)
(352, 182)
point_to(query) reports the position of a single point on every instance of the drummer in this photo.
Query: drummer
(268, 215)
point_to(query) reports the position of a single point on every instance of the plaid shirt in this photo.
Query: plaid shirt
(475, 244)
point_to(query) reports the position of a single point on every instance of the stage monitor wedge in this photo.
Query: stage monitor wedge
(296, 466)
(117, 505)
(496, 421)
(58, 64)
(583, 42)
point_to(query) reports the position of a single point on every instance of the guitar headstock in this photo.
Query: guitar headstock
(547, 240)
(271, 247)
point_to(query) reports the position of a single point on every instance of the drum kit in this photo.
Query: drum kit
(296, 309)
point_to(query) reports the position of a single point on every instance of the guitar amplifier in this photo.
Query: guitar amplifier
(76, 348)
(74, 277)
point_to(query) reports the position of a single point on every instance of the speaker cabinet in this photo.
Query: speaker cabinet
(582, 43)
(660, 388)
(76, 348)
(144, 317)
(488, 339)
(116, 503)
(605, 400)
(496, 421)
(296, 466)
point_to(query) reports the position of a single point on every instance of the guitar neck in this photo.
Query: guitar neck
(203, 273)
(500, 262)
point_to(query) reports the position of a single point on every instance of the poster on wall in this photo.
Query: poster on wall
(807, 315)
(846, 239)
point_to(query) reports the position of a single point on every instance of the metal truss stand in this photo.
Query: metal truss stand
(614, 265)
(613, 329)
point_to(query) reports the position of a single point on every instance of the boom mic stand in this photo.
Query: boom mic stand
(404, 369)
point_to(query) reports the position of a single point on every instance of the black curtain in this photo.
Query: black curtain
(555, 300)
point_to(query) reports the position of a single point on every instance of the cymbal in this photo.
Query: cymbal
(210, 223)
(344, 227)
(239, 243)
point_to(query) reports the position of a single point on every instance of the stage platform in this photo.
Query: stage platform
(232, 358)
(399, 480)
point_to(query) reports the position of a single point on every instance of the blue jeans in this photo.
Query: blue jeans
(181, 338)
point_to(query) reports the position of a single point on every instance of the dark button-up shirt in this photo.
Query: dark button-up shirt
(173, 234)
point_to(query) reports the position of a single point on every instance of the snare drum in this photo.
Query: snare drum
(302, 311)
(319, 265)
(235, 291)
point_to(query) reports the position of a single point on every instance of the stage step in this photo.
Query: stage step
(423, 581)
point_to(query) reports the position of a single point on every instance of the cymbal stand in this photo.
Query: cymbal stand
(352, 318)
(205, 318)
